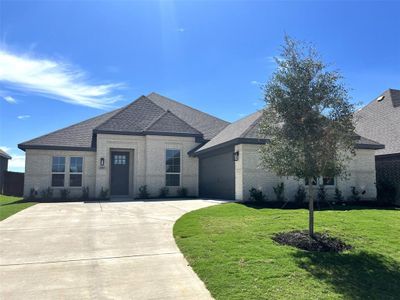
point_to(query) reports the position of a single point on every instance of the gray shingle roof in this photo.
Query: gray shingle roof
(380, 121)
(75, 136)
(246, 130)
(154, 114)
(243, 128)
(4, 154)
(208, 125)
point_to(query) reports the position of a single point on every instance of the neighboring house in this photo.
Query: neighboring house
(4, 157)
(158, 142)
(380, 121)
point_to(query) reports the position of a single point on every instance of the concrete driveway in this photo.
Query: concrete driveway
(114, 250)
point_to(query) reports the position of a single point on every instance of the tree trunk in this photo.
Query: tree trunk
(310, 209)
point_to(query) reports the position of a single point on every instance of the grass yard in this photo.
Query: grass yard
(229, 246)
(11, 205)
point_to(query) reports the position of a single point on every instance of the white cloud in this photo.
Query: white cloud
(5, 149)
(10, 99)
(181, 29)
(17, 163)
(54, 79)
(255, 82)
(23, 117)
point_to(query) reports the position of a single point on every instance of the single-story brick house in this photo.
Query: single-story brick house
(158, 142)
(380, 121)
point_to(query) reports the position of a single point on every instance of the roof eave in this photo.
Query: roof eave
(24, 147)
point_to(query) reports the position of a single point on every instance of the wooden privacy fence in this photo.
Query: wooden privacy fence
(13, 184)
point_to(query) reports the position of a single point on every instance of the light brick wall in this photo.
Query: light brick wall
(249, 174)
(38, 171)
(147, 165)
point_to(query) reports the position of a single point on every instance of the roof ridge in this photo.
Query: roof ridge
(70, 126)
(156, 120)
(122, 109)
(170, 112)
(198, 110)
(252, 125)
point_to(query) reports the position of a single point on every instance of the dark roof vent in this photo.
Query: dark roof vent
(380, 98)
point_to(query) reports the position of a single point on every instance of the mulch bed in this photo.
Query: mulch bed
(320, 242)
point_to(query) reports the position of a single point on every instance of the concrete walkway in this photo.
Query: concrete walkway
(114, 250)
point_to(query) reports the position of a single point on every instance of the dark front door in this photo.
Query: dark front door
(119, 173)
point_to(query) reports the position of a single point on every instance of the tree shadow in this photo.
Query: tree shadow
(360, 275)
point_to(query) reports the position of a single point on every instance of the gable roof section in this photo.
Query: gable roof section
(208, 125)
(75, 137)
(246, 131)
(4, 154)
(158, 116)
(380, 121)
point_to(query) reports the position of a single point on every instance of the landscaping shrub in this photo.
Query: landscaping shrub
(182, 192)
(104, 194)
(85, 193)
(257, 195)
(47, 194)
(321, 197)
(355, 195)
(338, 196)
(279, 191)
(32, 194)
(164, 192)
(64, 194)
(143, 193)
(386, 191)
(300, 195)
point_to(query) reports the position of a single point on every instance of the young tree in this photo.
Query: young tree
(307, 120)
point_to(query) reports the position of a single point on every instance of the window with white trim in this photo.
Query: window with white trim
(58, 171)
(173, 167)
(75, 171)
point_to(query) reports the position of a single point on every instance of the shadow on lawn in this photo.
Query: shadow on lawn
(359, 275)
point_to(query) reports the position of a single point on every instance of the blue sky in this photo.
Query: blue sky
(65, 61)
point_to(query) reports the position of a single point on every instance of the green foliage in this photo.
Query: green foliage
(10, 205)
(32, 194)
(164, 192)
(64, 194)
(321, 196)
(85, 193)
(308, 118)
(257, 195)
(104, 195)
(182, 192)
(355, 195)
(279, 191)
(143, 193)
(338, 195)
(386, 191)
(47, 194)
(300, 195)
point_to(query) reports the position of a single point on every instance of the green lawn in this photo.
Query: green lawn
(11, 205)
(229, 246)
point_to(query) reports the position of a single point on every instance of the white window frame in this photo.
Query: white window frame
(173, 173)
(58, 173)
(75, 173)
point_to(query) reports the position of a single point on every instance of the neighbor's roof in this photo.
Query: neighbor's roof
(153, 114)
(4, 154)
(246, 131)
(380, 121)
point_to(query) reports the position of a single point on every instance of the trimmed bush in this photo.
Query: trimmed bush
(164, 192)
(143, 193)
(182, 192)
(257, 195)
